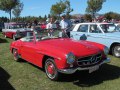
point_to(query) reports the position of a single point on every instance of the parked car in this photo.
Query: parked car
(19, 34)
(59, 55)
(104, 33)
(13, 27)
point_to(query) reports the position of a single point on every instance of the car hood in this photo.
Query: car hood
(64, 46)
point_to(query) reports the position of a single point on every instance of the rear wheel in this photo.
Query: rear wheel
(16, 55)
(116, 50)
(51, 70)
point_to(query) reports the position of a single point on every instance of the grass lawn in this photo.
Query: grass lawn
(25, 76)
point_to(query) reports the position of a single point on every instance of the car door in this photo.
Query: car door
(80, 32)
(30, 50)
(95, 34)
(28, 47)
(10, 32)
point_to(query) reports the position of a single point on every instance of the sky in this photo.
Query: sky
(42, 7)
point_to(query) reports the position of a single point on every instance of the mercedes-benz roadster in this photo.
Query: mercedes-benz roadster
(59, 55)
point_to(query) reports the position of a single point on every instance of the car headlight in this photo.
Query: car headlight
(106, 50)
(70, 58)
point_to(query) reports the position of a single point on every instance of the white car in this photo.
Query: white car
(104, 33)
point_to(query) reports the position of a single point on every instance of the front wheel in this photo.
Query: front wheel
(16, 55)
(51, 70)
(116, 51)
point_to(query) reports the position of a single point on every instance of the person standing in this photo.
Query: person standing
(65, 24)
(50, 27)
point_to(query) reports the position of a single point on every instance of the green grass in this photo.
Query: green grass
(25, 76)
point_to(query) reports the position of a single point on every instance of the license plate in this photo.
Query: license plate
(94, 68)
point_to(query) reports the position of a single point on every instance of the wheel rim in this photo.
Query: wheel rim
(117, 51)
(50, 70)
(15, 55)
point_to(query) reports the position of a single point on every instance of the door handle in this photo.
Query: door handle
(77, 34)
(88, 35)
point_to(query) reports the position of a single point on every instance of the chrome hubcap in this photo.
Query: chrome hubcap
(117, 51)
(15, 55)
(50, 70)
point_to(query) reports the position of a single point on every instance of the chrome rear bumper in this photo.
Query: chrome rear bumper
(73, 70)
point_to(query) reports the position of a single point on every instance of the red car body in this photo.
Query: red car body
(9, 34)
(57, 49)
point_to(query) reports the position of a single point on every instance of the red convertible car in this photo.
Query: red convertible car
(59, 55)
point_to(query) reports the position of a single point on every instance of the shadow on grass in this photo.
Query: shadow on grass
(84, 79)
(3, 40)
(24, 61)
(4, 84)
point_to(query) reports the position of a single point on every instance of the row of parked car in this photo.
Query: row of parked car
(67, 55)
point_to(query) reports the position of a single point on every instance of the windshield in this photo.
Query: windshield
(46, 34)
(118, 28)
(42, 35)
(17, 26)
(107, 28)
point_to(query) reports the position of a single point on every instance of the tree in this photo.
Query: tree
(68, 9)
(58, 8)
(17, 10)
(8, 5)
(88, 17)
(112, 15)
(49, 15)
(94, 6)
(4, 19)
(108, 15)
(45, 18)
